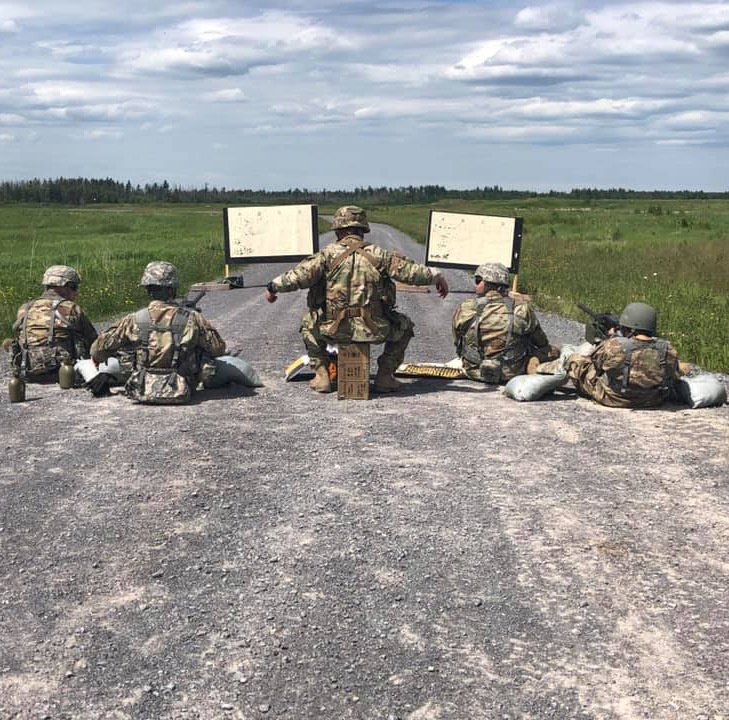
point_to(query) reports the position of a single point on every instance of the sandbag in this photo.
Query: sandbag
(525, 388)
(703, 390)
(232, 369)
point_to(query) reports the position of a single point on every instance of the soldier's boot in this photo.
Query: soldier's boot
(321, 382)
(385, 381)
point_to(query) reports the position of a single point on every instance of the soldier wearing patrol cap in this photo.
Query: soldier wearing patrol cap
(631, 369)
(351, 297)
(171, 345)
(496, 335)
(51, 328)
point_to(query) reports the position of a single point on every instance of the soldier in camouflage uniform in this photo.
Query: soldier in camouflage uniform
(173, 346)
(634, 369)
(51, 328)
(351, 298)
(494, 334)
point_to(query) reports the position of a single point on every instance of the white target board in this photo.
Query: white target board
(277, 233)
(465, 240)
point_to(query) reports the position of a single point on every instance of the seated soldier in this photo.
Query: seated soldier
(632, 369)
(51, 328)
(173, 347)
(496, 335)
(352, 297)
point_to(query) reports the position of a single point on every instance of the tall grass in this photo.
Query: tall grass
(109, 246)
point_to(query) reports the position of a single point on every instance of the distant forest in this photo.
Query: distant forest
(82, 191)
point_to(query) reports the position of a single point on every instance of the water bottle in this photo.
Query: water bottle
(16, 389)
(66, 373)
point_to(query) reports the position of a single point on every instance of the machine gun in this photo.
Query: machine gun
(599, 325)
(190, 301)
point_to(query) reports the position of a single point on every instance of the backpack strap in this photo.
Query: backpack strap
(353, 244)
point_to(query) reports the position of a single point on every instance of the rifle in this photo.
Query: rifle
(191, 302)
(599, 326)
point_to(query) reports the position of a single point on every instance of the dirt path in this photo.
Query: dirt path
(442, 553)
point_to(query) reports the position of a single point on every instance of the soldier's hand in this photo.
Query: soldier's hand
(441, 285)
(271, 296)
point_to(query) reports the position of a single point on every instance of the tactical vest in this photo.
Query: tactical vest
(159, 386)
(38, 360)
(354, 246)
(619, 378)
(469, 344)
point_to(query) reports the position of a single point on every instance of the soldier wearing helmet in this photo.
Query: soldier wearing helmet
(631, 369)
(171, 345)
(496, 335)
(351, 297)
(51, 328)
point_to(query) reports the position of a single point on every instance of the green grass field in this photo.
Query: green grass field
(669, 253)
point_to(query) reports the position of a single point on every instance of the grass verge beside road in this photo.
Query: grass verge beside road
(669, 253)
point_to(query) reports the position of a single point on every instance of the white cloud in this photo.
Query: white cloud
(230, 46)
(549, 17)
(102, 134)
(7, 137)
(227, 95)
(10, 119)
(402, 79)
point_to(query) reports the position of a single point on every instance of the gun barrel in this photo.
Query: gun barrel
(195, 299)
(587, 310)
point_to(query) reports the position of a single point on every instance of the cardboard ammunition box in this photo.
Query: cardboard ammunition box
(353, 372)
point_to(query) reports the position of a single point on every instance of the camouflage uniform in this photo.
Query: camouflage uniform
(352, 300)
(489, 351)
(626, 372)
(164, 371)
(200, 341)
(50, 329)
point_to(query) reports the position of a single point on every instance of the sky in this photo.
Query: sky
(320, 94)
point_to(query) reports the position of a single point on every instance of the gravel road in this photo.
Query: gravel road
(442, 553)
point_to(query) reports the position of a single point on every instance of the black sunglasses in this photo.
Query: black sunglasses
(72, 286)
(477, 279)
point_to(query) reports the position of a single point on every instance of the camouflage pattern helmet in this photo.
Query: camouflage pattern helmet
(639, 316)
(60, 275)
(495, 273)
(350, 216)
(160, 273)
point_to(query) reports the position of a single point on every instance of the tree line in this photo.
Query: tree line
(84, 191)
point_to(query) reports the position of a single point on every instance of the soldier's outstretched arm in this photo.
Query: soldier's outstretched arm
(304, 275)
(407, 271)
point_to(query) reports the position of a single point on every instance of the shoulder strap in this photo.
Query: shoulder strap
(352, 246)
(662, 350)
